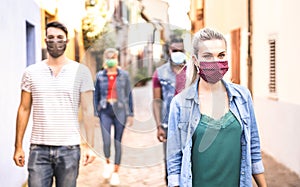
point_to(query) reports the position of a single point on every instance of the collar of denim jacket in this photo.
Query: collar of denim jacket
(236, 91)
(233, 91)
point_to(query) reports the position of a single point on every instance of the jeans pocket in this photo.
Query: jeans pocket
(73, 147)
(70, 153)
(33, 147)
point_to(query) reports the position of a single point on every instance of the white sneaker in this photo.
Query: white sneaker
(107, 171)
(115, 180)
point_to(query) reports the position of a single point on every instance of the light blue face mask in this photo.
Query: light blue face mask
(178, 57)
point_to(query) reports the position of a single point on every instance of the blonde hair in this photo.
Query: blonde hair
(110, 53)
(200, 36)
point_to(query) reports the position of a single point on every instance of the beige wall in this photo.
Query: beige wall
(156, 9)
(278, 118)
(277, 20)
(226, 16)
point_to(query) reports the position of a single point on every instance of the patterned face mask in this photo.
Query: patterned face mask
(56, 47)
(212, 72)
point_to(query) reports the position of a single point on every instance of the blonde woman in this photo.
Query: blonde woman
(213, 138)
(113, 103)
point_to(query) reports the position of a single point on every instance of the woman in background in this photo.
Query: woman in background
(113, 103)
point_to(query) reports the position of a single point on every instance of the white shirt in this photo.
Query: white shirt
(55, 102)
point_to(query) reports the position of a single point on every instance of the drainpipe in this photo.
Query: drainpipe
(150, 50)
(149, 21)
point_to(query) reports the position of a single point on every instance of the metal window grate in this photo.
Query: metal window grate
(272, 71)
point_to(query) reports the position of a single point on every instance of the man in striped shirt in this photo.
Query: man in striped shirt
(55, 89)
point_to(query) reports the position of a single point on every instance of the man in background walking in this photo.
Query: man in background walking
(168, 80)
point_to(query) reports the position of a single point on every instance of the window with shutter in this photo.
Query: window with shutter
(272, 67)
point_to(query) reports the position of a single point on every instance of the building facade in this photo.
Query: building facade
(20, 46)
(22, 25)
(262, 41)
(275, 84)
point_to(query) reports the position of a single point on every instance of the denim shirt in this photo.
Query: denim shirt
(183, 120)
(123, 91)
(167, 79)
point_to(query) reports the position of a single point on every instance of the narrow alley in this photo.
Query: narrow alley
(142, 162)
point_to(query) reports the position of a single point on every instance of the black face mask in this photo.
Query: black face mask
(56, 48)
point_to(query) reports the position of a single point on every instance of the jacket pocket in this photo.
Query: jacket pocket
(246, 127)
(183, 126)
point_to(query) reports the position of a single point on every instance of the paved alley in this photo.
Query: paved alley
(142, 161)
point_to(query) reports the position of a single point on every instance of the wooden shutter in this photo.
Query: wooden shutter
(272, 70)
(235, 55)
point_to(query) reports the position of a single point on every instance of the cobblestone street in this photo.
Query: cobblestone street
(142, 161)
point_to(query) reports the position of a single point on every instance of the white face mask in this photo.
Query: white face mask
(178, 57)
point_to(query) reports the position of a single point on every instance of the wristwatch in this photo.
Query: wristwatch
(164, 125)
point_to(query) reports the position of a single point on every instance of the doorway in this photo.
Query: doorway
(30, 44)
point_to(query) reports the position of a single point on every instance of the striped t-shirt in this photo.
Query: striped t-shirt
(55, 101)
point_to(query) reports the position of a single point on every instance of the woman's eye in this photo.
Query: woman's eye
(206, 57)
(222, 55)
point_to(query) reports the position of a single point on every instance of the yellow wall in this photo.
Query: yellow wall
(70, 13)
(225, 15)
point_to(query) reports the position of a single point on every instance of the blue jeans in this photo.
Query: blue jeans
(107, 118)
(46, 162)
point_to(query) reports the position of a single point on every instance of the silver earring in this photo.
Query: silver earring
(197, 69)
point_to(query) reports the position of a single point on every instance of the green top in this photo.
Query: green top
(216, 152)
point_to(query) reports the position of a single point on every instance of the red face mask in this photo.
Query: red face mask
(213, 72)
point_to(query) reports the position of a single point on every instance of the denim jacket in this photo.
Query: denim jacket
(124, 94)
(183, 120)
(167, 79)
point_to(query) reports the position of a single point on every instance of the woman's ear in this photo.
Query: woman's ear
(195, 60)
(196, 63)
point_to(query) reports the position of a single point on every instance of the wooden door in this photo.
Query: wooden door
(235, 55)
